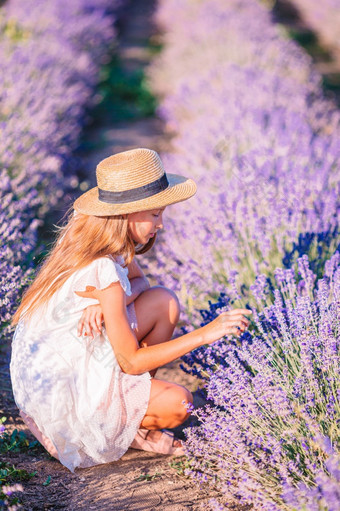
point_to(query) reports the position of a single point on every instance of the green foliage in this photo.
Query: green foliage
(12, 30)
(9, 474)
(47, 482)
(308, 40)
(155, 45)
(180, 465)
(123, 94)
(331, 82)
(148, 477)
(16, 441)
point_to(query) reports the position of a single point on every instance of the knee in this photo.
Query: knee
(167, 300)
(183, 401)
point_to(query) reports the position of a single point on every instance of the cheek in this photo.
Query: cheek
(145, 227)
(134, 229)
(141, 228)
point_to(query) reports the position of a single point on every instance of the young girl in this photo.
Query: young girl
(87, 400)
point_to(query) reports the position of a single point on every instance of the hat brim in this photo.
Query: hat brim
(180, 188)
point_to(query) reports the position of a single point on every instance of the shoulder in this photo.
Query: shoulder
(107, 262)
(99, 274)
(95, 267)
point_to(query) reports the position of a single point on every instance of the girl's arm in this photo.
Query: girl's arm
(92, 317)
(138, 281)
(135, 270)
(135, 360)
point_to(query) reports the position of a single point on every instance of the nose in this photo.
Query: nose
(159, 224)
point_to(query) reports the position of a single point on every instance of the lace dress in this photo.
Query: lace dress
(72, 387)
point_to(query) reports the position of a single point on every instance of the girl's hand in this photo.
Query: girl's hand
(230, 322)
(91, 319)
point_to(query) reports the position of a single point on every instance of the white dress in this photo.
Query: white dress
(72, 387)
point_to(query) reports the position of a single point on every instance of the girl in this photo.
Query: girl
(88, 400)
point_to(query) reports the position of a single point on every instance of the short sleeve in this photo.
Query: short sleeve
(100, 274)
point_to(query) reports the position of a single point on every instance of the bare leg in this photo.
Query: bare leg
(157, 310)
(46, 442)
(166, 407)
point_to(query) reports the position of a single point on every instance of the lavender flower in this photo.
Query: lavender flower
(50, 56)
(269, 435)
(254, 130)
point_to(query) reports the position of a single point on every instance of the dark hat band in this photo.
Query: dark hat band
(142, 192)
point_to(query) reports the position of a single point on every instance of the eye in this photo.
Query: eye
(155, 215)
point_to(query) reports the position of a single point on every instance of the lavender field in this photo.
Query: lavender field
(50, 53)
(50, 56)
(256, 132)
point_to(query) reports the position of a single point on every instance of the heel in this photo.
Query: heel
(46, 442)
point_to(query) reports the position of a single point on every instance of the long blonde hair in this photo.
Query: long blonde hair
(80, 241)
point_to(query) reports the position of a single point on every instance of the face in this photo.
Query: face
(144, 224)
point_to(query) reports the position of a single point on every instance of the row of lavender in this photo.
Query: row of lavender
(270, 435)
(50, 56)
(255, 132)
(323, 18)
(259, 138)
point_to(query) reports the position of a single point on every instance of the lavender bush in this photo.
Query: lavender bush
(255, 132)
(269, 435)
(50, 55)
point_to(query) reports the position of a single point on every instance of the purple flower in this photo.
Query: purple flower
(51, 53)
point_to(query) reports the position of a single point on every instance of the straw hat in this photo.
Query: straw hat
(133, 181)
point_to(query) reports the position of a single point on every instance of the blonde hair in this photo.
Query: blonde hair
(80, 241)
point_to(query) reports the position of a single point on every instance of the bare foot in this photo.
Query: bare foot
(155, 434)
(162, 442)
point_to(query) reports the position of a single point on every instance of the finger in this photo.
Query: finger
(239, 327)
(80, 326)
(99, 323)
(239, 317)
(244, 322)
(238, 321)
(240, 311)
(236, 331)
(87, 327)
(92, 325)
(95, 323)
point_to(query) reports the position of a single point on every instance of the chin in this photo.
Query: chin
(141, 242)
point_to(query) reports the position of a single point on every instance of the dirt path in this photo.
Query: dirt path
(134, 54)
(139, 480)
